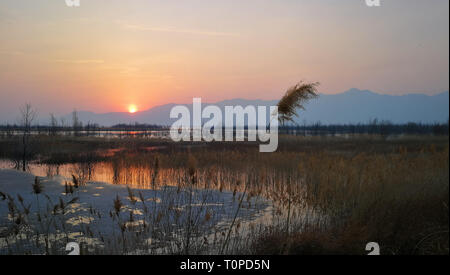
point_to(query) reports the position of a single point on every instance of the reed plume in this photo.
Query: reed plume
(37, 186)
(295, 98)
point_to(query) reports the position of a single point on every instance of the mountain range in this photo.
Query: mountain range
(352, 106)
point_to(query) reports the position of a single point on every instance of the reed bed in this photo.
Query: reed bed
(327, 196)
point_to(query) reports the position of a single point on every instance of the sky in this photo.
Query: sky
(106, 55)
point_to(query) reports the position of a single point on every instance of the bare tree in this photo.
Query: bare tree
(62, 122)
(76, 123)
(53, 125)
(27, 116)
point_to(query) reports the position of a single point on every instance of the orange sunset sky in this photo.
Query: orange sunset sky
(108, 54)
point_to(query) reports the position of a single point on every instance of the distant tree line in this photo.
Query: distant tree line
(374, 127)
(88, 129)
(26, 126)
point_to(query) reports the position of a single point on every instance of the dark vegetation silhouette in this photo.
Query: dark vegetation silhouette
(27, 116)
(294, 99)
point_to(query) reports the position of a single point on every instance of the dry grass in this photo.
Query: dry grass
(399, 200)
(330, 195)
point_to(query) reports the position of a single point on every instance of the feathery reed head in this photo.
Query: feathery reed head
(75, 181)
(117, 204)
(37, 186)
(295, 97)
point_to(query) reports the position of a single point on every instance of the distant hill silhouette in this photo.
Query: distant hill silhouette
(352, 106)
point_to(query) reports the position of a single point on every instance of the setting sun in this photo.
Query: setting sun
(132, 109)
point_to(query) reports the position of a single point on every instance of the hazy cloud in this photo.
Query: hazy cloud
(80, 61)
(11, 52)
(135, 27)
